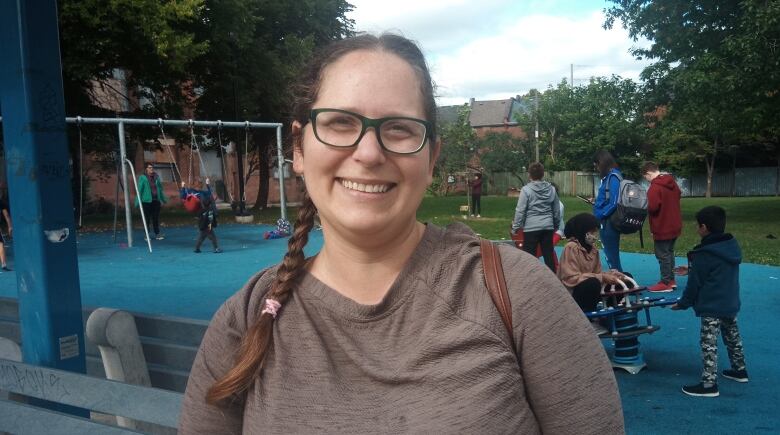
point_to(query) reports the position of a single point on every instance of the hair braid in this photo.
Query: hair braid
(259, 337)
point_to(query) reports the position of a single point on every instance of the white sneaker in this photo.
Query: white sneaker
(479, 216)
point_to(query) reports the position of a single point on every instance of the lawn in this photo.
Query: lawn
(751, 220)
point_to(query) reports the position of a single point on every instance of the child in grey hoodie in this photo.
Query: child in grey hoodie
(538, 215)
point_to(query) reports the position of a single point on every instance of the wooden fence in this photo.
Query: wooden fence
(761, 181)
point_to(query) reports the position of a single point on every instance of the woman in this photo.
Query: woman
(606, 203)
(390, 327)
(580, 265)
(152, 196)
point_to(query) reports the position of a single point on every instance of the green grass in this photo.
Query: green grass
(749, 219)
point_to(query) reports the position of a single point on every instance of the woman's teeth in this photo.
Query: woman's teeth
(368, 188)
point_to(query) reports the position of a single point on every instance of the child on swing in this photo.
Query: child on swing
(207, 215)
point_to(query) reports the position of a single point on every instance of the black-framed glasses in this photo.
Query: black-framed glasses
(396, 134)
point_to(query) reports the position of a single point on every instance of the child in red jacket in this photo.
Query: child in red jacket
(663, 210)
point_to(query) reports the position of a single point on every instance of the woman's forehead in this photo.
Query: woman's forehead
(372, 82)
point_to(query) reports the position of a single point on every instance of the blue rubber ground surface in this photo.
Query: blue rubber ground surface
(174, 281)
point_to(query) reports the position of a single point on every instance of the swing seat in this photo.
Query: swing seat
(192, 203)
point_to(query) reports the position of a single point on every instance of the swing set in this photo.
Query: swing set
(190, 204)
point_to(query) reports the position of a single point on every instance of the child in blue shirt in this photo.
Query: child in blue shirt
(713, 292)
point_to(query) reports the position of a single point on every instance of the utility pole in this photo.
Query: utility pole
(536, 131)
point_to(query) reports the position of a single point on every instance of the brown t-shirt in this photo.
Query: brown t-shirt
(432, 357)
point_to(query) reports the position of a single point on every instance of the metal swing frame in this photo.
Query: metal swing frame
(125, 162)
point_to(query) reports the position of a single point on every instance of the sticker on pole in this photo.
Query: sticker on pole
(57, 236)
(69, 346)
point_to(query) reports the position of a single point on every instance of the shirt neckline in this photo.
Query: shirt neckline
(328, 298)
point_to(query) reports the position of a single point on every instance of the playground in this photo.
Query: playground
(174, 281)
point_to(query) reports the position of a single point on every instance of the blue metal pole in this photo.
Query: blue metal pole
(38, 170)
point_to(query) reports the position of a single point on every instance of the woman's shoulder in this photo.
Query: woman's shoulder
(242, 308)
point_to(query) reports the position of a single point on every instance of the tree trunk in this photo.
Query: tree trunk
(264, 174)
(710, 162)
(552, 145)
(734, 175)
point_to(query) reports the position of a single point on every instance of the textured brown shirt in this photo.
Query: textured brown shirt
(432, 357)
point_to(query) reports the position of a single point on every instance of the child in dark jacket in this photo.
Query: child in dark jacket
(713, 292)
(206, 211)
(207, 221)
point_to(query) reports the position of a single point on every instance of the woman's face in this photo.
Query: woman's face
(364, 189)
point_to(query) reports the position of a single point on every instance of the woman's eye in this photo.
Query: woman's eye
(397, 129)
(342, 122)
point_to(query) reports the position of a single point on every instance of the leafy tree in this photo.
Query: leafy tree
(576, 122)
(151, 40)
(504, 153)
(715, 72)
(555, 111)
(458, 146)
(256, 48)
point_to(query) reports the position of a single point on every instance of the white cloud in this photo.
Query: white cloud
(494, 49)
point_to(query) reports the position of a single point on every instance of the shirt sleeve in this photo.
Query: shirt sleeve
(161, 191)
(569, 382)
(214, 359)
(697, 272)
(522, 204)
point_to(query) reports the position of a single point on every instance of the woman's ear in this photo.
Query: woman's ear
(297, 140)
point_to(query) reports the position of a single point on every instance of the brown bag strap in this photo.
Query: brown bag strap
(496, 284)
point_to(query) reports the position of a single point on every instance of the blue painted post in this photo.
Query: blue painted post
(38, 171)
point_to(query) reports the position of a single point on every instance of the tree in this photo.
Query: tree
(715, 71)
(458, 146)
(504, 153)
(256, 48)
(151, 40)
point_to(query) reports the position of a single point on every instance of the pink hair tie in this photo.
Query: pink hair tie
(271, 307)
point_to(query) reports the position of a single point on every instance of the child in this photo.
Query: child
(713, 292)
(207, 214)
(207, 221)
(580, 267)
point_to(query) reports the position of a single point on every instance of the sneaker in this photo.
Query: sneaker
(159, 237)
(7, 269)
(661, 287)
(736, 375)
(701, 391)
(479, 216)
(197, 251)
(217, 251)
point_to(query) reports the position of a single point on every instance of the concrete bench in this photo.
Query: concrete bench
(169, 344)
(152, 406)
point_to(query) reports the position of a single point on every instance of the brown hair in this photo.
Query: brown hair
(536, 171)
(258, 338)
(648, 167)
(604, 162)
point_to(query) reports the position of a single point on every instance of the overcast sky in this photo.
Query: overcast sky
(495, 49)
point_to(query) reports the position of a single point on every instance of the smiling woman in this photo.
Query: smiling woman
(390, 328)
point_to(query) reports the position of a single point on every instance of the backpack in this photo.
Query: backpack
(631, 210)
